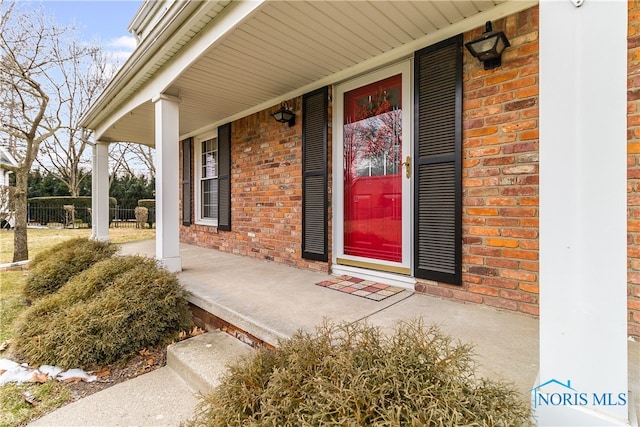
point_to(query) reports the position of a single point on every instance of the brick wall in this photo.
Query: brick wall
(500, 174)
(633, 169)
(266, 193)
(500, 180)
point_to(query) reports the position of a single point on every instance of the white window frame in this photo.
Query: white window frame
(199, 219)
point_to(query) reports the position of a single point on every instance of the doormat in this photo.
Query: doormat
(360, 287)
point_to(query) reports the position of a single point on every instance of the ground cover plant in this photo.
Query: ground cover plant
(52, 268)
(107, 313)
(356, 375)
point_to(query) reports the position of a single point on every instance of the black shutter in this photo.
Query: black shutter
(315, 117)
(224, 177)
(186, 181)
(438, 152)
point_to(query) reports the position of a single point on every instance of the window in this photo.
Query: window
(207, 169)
(209, 179)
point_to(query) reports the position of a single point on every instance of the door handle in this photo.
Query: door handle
(407, 167)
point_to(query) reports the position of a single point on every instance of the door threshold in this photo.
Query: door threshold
(400, 280)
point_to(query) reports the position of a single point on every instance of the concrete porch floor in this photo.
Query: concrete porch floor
(271, 301)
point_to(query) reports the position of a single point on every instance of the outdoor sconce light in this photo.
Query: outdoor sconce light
(489, 46)
(284, 115)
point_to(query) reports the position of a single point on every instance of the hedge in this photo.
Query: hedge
(150, 204)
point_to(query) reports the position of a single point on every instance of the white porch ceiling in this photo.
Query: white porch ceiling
(281, 48)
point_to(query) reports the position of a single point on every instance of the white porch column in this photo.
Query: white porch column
(167, 182)
(583, 247)
(100, 192)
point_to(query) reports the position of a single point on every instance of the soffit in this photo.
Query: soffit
(282, 47)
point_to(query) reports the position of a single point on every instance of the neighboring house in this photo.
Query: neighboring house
(6, 215)
(406, 162)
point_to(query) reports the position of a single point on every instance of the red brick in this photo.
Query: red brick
(482, 211)
(503, 222)
(501, 283)
(502, 263)
(530, 201)
(501, 303)
(529, 308)
(533, 288)
(518, 296)
(526, 233)
(438, 291)
(519, 126)
(518, 191)
(505, 243)
(496, 161)
(483, 271)
(518, 275)
(484, 251)
(501, 201)
(520, 254)
(530, 134)
(466, 296)
(633, 304)
(518, 212)
(484, 231)
(521, 147)
(484, 290)
(501, 77)
(529, 244)
(485, 151)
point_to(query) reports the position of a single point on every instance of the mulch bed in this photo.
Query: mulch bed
(147, 361)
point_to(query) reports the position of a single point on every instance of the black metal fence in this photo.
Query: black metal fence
(71, 217)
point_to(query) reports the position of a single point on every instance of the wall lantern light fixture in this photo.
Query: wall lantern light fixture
(489, 46)
(284, 115)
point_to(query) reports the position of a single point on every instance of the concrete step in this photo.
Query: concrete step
(200, 361)
(164, 397)
(158, 398)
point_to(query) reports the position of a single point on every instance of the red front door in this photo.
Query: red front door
(372, 149)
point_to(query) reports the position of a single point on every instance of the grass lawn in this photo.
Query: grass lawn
(14, 409)
(39, 239)
(11, 301)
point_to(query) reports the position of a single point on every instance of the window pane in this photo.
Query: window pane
(210, 198)
(209, 158)
(372, 140)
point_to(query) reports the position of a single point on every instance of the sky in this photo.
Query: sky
(103, 20)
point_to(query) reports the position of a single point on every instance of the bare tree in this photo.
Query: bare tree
(82, 78)
(30, 101)
(125, 156)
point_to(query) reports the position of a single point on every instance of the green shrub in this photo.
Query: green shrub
(354, 375)
(150, 204)
(52, 268)
(107, 313)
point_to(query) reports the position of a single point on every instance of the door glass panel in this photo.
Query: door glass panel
(372, 174)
